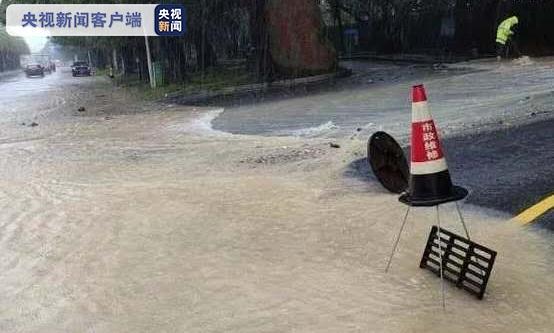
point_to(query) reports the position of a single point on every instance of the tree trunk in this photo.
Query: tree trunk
(205, 52)
(338, 23)
(259, 52)
(204, 49)
(114, 61)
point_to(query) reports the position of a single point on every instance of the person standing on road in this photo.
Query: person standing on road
(505, 38)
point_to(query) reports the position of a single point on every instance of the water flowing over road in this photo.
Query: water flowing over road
(137, 216)
(495, 118)
(379, 98)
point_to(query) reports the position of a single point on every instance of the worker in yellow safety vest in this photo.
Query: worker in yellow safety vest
(504, 37)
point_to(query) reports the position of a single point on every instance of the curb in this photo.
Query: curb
(257, 88)
(409, 58)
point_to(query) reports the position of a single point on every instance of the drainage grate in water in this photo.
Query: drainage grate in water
(464, 262)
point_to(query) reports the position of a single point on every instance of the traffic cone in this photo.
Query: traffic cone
(430, 182)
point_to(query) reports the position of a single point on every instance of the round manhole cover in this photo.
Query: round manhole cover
(388, 162)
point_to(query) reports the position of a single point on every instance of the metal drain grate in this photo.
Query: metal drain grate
(464, 262)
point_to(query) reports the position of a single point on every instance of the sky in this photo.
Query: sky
(35, 43)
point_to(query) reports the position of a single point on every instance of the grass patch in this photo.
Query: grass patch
(219, 78)
(101, 72)
(212, 80)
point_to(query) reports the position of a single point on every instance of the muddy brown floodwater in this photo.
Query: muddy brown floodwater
(137, 217)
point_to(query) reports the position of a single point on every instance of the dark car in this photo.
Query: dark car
(80, 68)
(34, 70)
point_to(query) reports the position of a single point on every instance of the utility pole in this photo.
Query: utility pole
(123, 65)
(149, 61)
(338, 23)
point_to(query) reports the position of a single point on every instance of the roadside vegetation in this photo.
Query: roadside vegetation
(10, 50)
(276, 39)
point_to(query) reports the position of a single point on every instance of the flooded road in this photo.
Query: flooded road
(135, 216)
(460, 95)
(498, 133)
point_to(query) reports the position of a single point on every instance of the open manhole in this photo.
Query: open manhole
(387, 160)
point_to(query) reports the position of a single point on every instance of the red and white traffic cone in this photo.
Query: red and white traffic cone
(430, 182)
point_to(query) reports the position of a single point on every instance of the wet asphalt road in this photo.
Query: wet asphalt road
(55, 94)
(377, 97)
(499, 136)
(506, 169)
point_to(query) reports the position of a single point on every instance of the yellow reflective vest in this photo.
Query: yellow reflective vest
(505, 29)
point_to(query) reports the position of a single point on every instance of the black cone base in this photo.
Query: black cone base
(458, 193)
(432, 189)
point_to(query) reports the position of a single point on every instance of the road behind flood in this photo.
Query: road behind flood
(495, 119)
(460, 95)
(138, 217)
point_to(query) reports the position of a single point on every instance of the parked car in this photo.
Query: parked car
(80, 68)
(34, 70)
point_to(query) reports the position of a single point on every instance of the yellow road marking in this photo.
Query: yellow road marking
(533, 212)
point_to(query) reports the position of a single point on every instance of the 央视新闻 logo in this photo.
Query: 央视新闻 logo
(169, 20)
